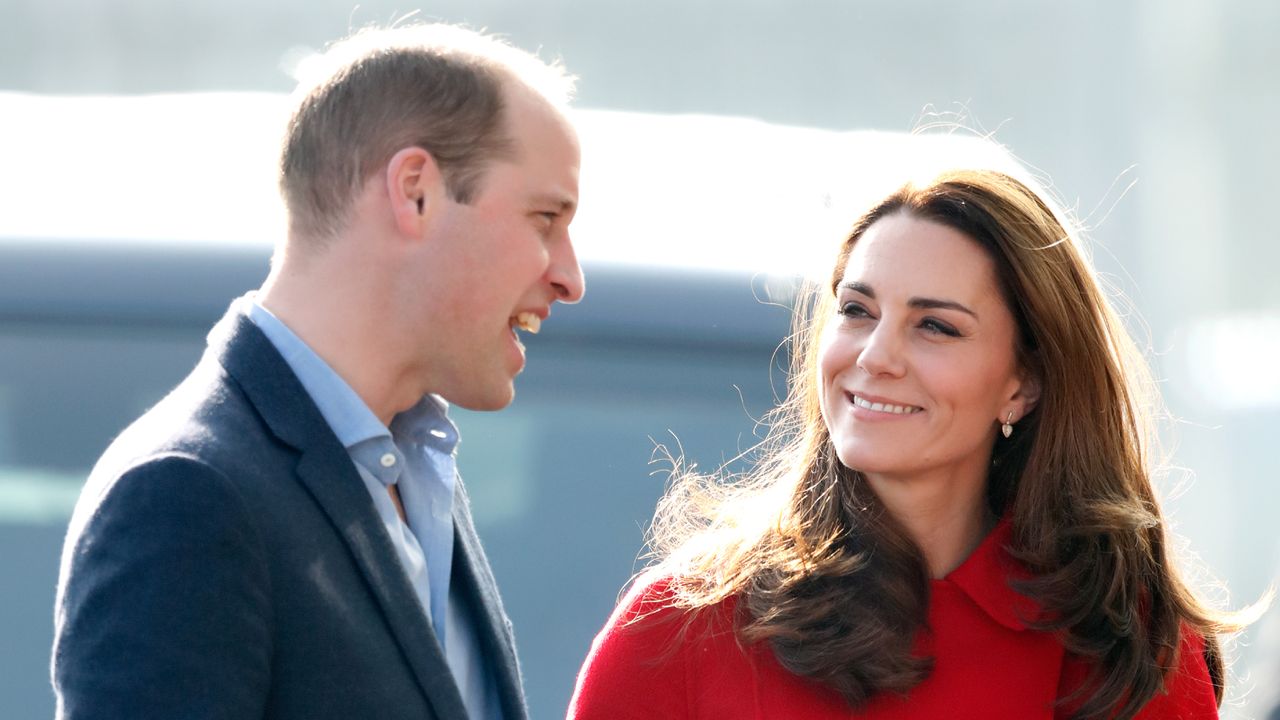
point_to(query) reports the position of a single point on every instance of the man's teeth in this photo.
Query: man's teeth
(885, 407)
(529, 322)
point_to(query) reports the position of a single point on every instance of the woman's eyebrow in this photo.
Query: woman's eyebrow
(920, 303)
(936, 304)
(859, 287)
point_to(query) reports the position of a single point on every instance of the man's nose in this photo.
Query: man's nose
(565, 274)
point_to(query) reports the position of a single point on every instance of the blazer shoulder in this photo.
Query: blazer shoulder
(165, 493)
(134, 627)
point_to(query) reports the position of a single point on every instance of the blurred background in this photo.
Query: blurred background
(725, 145)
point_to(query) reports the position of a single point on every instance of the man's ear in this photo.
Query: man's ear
(414, 185)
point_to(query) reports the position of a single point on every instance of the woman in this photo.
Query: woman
(953, 515)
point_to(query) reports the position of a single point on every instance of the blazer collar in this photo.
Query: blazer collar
(325, 469)
(986, 577)
(497, 640)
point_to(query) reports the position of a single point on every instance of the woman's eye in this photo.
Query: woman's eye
(854, 310)
(940, 327)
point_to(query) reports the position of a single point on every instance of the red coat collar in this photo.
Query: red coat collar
(985, 578)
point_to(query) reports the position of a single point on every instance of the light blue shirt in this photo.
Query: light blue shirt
(416, 454)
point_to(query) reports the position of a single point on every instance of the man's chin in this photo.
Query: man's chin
(485, 399)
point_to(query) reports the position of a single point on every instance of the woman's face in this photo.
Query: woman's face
(919, 362)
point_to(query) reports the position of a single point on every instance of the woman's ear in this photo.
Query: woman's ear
(1028, 393)
(413, 183)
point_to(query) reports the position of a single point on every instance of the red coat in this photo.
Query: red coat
(988, 665)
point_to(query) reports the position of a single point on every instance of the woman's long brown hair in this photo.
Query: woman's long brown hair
(838, 589)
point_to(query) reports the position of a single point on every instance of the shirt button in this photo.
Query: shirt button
(388, 460)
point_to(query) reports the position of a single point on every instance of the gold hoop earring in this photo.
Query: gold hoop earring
(1007, 426)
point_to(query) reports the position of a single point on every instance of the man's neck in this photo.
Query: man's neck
(347, 326)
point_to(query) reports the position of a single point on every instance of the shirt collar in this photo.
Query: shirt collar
(985, 577)
(347, 415)
(427, 423)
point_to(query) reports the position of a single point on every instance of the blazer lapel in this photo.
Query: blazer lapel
(326, 470)
(493, 629)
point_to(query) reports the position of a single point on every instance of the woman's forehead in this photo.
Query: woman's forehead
(902, 253)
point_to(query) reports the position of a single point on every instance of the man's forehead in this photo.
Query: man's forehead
(525, 106)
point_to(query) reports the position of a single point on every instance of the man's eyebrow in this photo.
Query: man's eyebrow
(920, 303)
(565, 203)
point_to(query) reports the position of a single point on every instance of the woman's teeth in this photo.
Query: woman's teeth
(885, 407)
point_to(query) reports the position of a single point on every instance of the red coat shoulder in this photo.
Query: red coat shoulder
(636, 667)
(653, 660)
(1189, 692)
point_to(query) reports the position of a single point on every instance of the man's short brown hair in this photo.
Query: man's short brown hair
(438, 87)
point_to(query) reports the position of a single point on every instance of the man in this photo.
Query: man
(284, 535)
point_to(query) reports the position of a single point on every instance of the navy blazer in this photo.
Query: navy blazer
(226, 561)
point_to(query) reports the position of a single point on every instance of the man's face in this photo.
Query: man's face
(504, 259)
